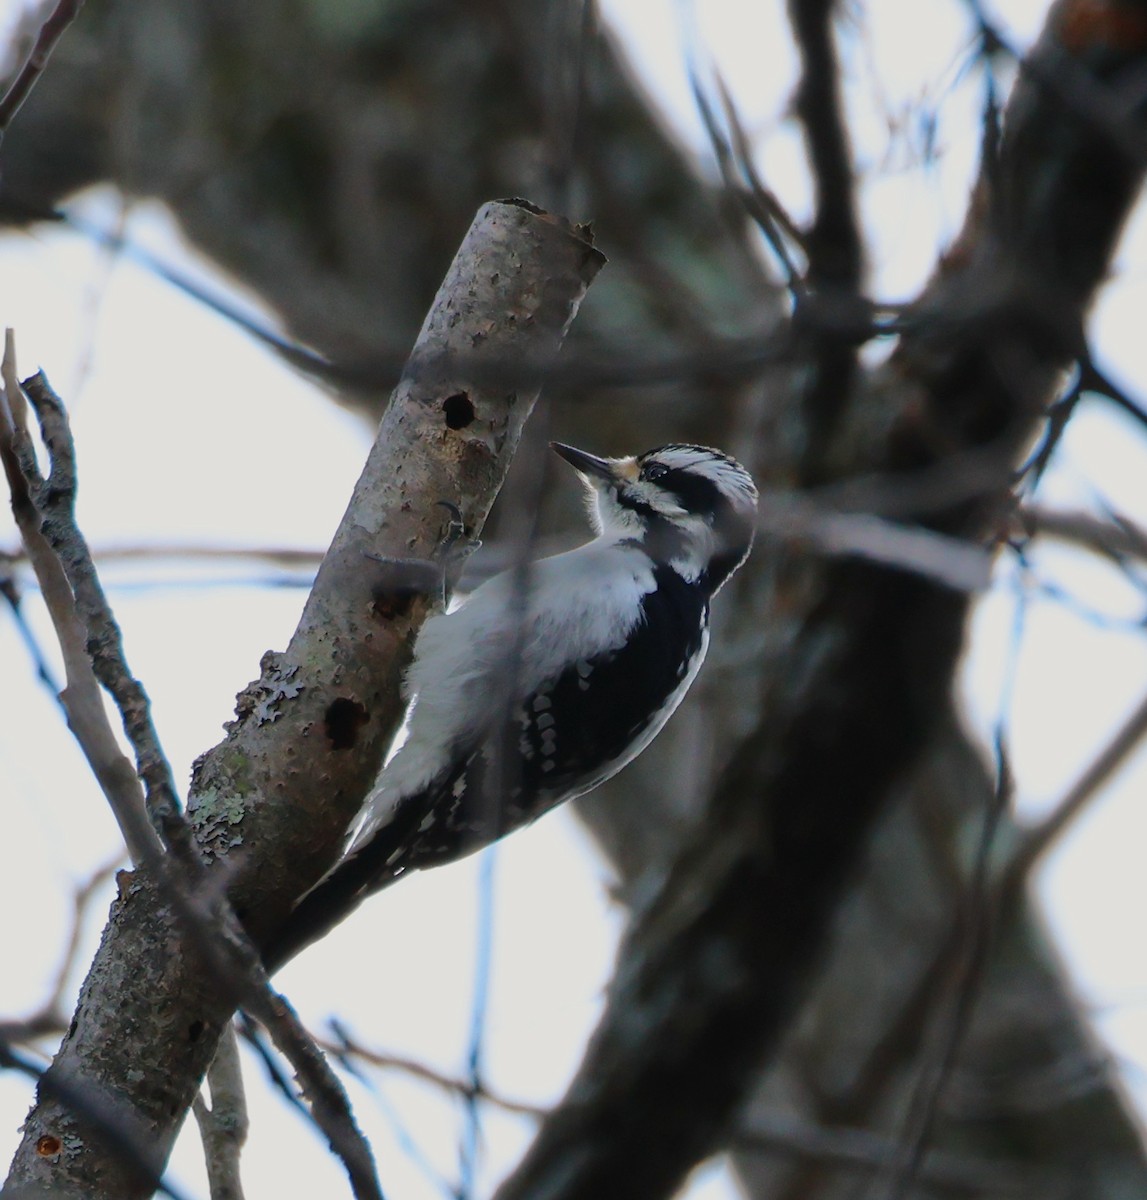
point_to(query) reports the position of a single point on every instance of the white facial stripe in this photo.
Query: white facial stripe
(727, 474)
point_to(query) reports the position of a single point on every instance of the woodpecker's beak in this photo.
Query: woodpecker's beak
(586, 464)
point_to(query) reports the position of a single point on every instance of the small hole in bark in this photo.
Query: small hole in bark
(194, 1031)
(342, 721)
(48, 1146)
(459, 410)
(388, 603)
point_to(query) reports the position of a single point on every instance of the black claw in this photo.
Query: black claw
(455, 543)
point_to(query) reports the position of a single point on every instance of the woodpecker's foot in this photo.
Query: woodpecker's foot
(432, 576)
(456, 545)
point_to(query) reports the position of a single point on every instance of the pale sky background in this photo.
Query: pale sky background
(401, 974)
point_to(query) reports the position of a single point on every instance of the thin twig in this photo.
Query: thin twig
(761, 205)
(223, 1126)
(471, 1140)
(1059, 413)
(330, 1108)
(1039, 838)
(348, 1049)
(1117, 538)
(12, 597)
(860, 1150)
(743, 149)
(574, 373)
(850, 1148)
(50, 33)
(81, 696)
(255, 1036)
(103, 640)
(288, 557)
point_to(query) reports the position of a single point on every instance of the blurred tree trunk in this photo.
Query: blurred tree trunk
(329, 155)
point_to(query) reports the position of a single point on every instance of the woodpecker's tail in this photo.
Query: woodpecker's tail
(368, 869)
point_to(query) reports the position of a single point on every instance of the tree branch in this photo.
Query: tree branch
(223, 1126)
(832, 244)
(81, 697)
(50, 33)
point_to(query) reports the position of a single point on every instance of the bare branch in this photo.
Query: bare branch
(761, 205)
(832, 244)
(223, 1126)
(860, 1151)
(81, 697)
(103, 641)
(954, 562)
(50, 33)
(1117, 537)
(10, 591)
(1038, 839)
(347, 1048)
(849, 1148)
(330, 1107)
(977, 918)
(96, 1111)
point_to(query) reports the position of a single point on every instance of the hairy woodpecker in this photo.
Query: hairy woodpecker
(545, 683)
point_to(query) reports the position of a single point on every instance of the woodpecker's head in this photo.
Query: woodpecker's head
(690, 506)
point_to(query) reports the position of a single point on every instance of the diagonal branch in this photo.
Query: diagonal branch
(81, 697)
(61, 16)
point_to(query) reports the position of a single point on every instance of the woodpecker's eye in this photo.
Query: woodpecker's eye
(654, 471)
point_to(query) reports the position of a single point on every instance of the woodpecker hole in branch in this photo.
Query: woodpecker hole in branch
(389, 603)
(342, 721)
(459, 410)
